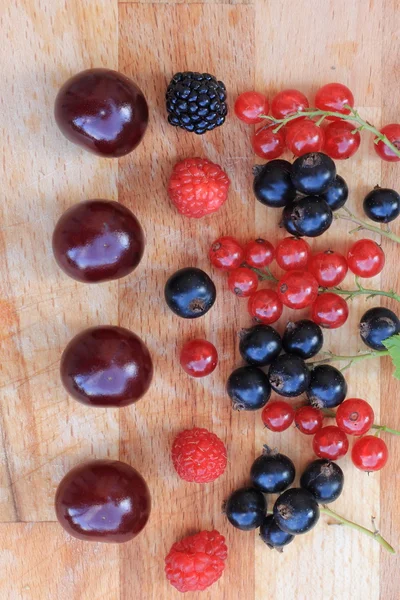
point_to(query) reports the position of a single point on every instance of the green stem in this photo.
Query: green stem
(350, 359)
(381, 428)
(347, 215)
(362, 290)
(265, 275)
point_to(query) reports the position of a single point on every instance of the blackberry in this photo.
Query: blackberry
(196, 102)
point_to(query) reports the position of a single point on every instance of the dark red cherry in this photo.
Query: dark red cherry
(103, 501)
(103, 111)
(106, 366)
(98, 240)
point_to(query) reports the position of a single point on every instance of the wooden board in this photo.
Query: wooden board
(261, 44)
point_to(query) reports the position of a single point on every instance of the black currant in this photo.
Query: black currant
(324, 479)
(304, 338)
(190, 293)
(260, 345)
(246, 508)
(272, 472)
(272, 535)
(382, 205)
(287, 221)
(288, 375)
(337, 193)
(311, 216)
(248, 388)
(296, 511)
(272, 183)
(378, 324)
(313, 173)
(328, 387)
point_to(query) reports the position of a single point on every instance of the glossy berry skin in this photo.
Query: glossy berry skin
(289, 375)
(103, 111)
(106, 366)
(226, 253)
(248, 388)
(98, 240)
(287, 220)
(303, 136)
(287, 102)
(243, 282)
(249, 106)
(265, 306)
(198, 455)
(337, 193)
(382, 205)
(311, 216)
(272, 472)
(245, 508)
(292, 253)
(296, 511)
(308, 419)
(267, 143)
(369, 453)
(328, 387)
(304, 338)
(378, 324)
(392, 132)
(272, 184)
(278, 415)
(329, 268)
(297, 289)
(313, 173)
(272, 535)
(355, 416)
(198, 358)
(190, 293)
(365, 258)
(259, 345)
(340, 141)
(259, 253)
(330, 311)
(330, 442)
(334, 97)
(324, 479)
(103, 501)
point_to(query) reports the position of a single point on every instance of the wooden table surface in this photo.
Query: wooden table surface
(261, 44)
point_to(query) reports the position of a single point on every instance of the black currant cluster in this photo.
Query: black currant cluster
(296, 510)
(382, 205)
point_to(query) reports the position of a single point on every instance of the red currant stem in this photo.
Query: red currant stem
(346, 215)
(264, 275)
(330, 414)
(351, 359)
(362, 290)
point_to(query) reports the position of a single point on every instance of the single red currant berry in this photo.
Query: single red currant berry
(292, 253)
(334, 97)
(259, 253)
(278, 416)
(308, 419)
(369, 453)
(198, 358)
(226, 253)
(355, 416)
(392, 132)
(329, 268)
(303, 136)
(365, 258)
(265, 307)
(330, 442)
(330, 311)
(268, 143)
(243, 282)
(288, 102)
(340, 140)
(249, 106)
(297, 289)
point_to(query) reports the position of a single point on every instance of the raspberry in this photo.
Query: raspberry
(197, 561)
(198, 455)
(198, 187)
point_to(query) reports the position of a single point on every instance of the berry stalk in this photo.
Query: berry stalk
(264, 275)
(379, 428)
(362, 290)
(351, 359)
(347, 215)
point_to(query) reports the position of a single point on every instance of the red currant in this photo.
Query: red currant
(243, 282)
(330, 311)
(330, 442)
(198, 358)
(329, 268)
(292, 253)
(267, 143)
(355, 416)
(392, 133)
(308, 419)
(369, 453)
(297, 289)
(249, 106)
(278, 416)
(302, 136)
(340, 141)
(259, 253)
(365, 258)
(288, 102)
(334, 97)
(265, 306)
(226, 253)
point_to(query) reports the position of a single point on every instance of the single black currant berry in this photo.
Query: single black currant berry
(272, 183)
(382, 205)
(272, 535)
(296, 511)
(288, 375)
(190, 293)
(260, 345)
(337, 193)
(272, 472)
(378, 324)
(324, 479)
(287, 221)
(328, 387)
(246, 508)
(303, 338)
(311, 216)
(313, 173)
(248, 388)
